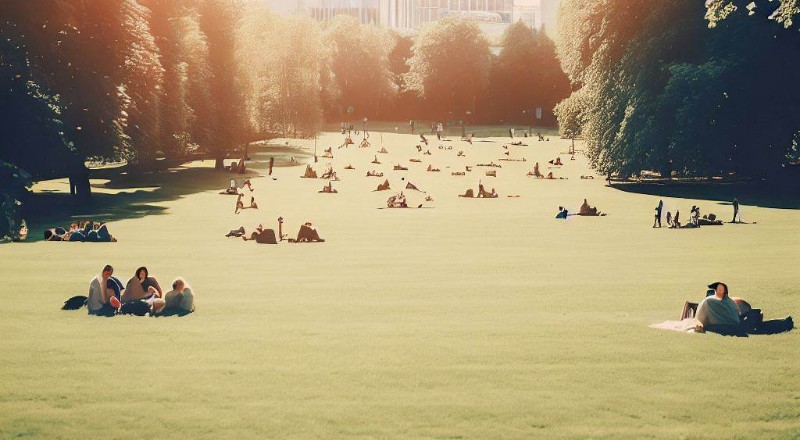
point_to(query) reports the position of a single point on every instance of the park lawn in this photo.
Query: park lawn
(476, 319)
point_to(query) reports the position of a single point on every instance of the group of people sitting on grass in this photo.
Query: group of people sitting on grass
(308, 233)
(695, 221)
(87, 231)
(240, 204)
(234, 189)
(482, 193)
(584, 210)
(397, 201)
(142, 295)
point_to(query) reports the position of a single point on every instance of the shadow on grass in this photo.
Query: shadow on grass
(137, 197)
(764, 194)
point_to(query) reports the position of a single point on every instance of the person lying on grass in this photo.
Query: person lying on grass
(721, 313)
(90, 232)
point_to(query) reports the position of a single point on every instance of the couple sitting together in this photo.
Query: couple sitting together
(142, 295)
(87, 232)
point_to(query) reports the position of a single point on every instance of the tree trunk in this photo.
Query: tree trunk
(219, 164)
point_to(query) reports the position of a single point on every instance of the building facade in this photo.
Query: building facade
(411, 15)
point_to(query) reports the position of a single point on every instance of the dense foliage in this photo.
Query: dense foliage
(662, 88)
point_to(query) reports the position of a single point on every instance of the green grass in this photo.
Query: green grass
(478, 319)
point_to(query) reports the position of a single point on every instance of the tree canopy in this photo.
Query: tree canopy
(660, 89)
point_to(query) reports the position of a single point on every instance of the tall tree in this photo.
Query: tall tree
(219, 20)
(527, 75)
(359, 63)
(281, 60)
(450, 66)
(663, 91)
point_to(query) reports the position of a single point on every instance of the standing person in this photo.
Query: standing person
(439, 130)
(271, 164)
(364, 129)
(659, 209)
(102, 300)
(412, 124)
(736, 211)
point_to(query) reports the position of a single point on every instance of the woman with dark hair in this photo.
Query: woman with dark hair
(718, 308)
(143, 287)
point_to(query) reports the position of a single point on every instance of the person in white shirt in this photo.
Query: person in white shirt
(101, 299)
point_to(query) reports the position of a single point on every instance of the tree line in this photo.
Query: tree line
(683, 88)
(142, 81)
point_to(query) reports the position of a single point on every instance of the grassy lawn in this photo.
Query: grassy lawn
(476, 319)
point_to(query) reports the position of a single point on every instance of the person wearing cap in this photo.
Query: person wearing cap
(718, 308)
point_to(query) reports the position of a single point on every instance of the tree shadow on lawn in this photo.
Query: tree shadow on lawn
(136, 199)
(764, 194)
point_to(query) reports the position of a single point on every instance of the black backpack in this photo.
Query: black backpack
(75, 303)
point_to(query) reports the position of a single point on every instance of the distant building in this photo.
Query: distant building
(411, 15)
(549, 16)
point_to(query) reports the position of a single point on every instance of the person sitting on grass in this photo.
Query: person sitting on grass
(143, 288)
(179, 300)
(717, 309)
(676, 221)
(308, 233)
(329, 174)
(397, 201)
(262, 236)
(563, 213)
(482, 193)
(102, 300)
(721, 313)
(585, 209)
(536, 172)
(328, 189)
(376, 161)
(239, 204)
(310, 173)
(232, 189)
(22, 234)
